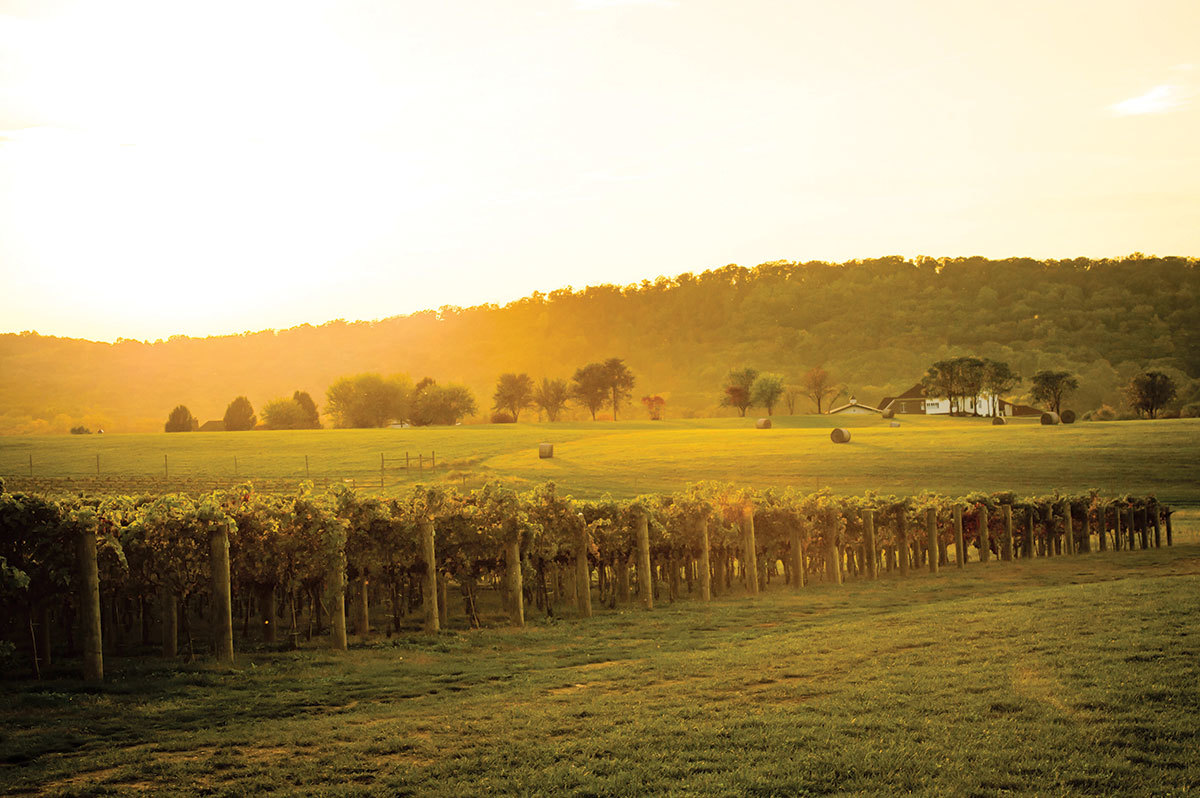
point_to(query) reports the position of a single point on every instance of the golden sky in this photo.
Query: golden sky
(213, 167)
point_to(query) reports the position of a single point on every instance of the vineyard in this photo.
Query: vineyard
(314, 562)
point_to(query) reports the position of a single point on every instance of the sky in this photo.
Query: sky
(208, 168)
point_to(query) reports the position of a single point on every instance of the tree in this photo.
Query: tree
(792, 392)
(551, 396)
(766, 391)
(1051, 387)
(818, 386)
(311, 417)
(284, 414)
(1148, 392)
(738, 385)
(239, 416)
(957, 380)
(441, 404)
(620, 381)
(654, 406)
(514, 392)
(590, 387)
(368, 400)
(998, 379)
(181, 420)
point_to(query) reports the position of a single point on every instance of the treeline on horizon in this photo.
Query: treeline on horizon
(874, 325)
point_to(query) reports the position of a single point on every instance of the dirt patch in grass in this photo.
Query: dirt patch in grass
(77, 780)
(570, 688)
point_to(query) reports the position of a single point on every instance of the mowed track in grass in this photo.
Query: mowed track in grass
(951, 456)
(1064, 676)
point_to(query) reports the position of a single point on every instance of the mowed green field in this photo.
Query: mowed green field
(1063, 676)
(951, 456)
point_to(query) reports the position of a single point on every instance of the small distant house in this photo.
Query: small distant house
(216, 425)
(854, 408)
(915, 402)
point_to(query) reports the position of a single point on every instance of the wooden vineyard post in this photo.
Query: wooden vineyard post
(1087, 531)
(89, 606)
(931, 528)
(1030, 551)
(1068, 528)
(1154, 521)
(170, 621)
(583, 578)
(1170, 538)
(222, 600)
(902, 550)
(337, 601)
(1006, 542)
(645, 575)
(960, 547)
(705, 561)
(750, 550)
(362, 610)
(833, 558)
(443, 602)
(429, 585)
(1102, 532)
(1130, 528)
(1116, 527)
(516, 586)
(985, 535)
(869, 543)
(1143, 528)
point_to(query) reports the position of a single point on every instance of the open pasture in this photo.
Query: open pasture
(1064, 676)
(951, 456)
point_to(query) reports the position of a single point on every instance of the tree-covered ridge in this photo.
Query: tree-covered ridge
(875, 325)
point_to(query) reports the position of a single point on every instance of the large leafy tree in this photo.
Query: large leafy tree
(180, 420)
(368, 400)
(239, 416)
(441, 404)
(767, 390)
(1150, 391)
(737, 392)
(998, 379)
(311, 417)
(514, 393)
(958, 380)
(1051, 387)
(620, 381)
(819, 387)
(551, 396)
(589, 387)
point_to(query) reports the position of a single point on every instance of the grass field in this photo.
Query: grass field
(951, 456)
(1064, 676)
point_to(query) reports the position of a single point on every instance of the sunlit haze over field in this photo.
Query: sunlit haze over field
(208, 168)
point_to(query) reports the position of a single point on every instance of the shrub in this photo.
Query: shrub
(1190, 410)
(502, 417)
(1103, 413)
(80, 430)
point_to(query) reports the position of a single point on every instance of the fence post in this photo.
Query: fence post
(931, 528)
(516, 587)
(902, 550)
(645, 576)
(222, 600)
(1170, 538)
(750, 550)
(166, 471)
(97, 464)
(705, 562)
(337, 603)
(960, 546)
(89, 604)
(1006, 542)
(1154, 520)
(1087, 530)
(1068, 528)
(583, 576)
(1102, 532)
(31, 464)
(985, 535)
(1030, 548)
(869, 534)
(432, 459)
(430, 583)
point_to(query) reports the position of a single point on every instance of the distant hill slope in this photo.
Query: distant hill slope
(875, 325)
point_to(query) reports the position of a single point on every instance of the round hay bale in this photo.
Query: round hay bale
(1068, 417)
(545, 450)
(889, 413)
(762, 423)
(998, 422)
(1050, 419)
(840, 435)
(893, 423)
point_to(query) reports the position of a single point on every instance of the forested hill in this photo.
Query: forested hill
(875, 325)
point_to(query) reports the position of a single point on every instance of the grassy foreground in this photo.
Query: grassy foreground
(1072, 675)
(952, 456)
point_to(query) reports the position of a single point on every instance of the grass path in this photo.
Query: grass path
(1073, 675)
